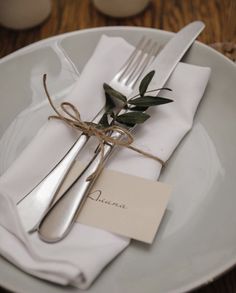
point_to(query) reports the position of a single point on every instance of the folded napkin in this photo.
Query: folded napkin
(81, 256)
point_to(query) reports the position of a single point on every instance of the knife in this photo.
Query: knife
(59, 219)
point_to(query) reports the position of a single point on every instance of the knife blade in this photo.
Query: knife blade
(59, 219)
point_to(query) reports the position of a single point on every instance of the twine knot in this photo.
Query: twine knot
(71, 116)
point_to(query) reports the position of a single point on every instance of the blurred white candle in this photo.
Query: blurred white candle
(23, 14)
(120, 8)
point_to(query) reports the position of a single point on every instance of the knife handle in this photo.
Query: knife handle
(60, 218)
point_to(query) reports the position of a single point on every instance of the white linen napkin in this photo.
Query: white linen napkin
(81, 256)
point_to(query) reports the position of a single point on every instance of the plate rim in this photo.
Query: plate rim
(219, 271)
(50, 39)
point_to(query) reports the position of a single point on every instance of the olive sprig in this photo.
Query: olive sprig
(136, 105)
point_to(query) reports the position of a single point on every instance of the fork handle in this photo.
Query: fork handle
(34, 205)
(60, 218)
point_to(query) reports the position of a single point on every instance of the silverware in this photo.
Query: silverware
(59, 219)
(34, 205)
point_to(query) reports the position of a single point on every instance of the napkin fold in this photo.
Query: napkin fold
(82, 255)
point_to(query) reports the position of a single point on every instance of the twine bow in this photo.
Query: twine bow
(72, 118)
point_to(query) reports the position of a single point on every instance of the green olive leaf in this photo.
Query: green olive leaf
(104, 121)
(109, 105)
(145, 82)
(138, 108)
(132, 118)
(147, 101)
(113, 94)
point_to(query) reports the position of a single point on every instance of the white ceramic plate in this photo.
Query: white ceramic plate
(196, 241)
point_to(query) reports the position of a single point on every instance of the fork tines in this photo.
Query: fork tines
(139, 60)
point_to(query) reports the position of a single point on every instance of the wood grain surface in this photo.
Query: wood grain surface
(170, 15)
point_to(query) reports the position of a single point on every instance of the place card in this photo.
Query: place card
(123, 204)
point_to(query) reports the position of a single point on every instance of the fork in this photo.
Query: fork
(33, 207)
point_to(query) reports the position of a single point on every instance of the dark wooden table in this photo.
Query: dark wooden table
(170, 15)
